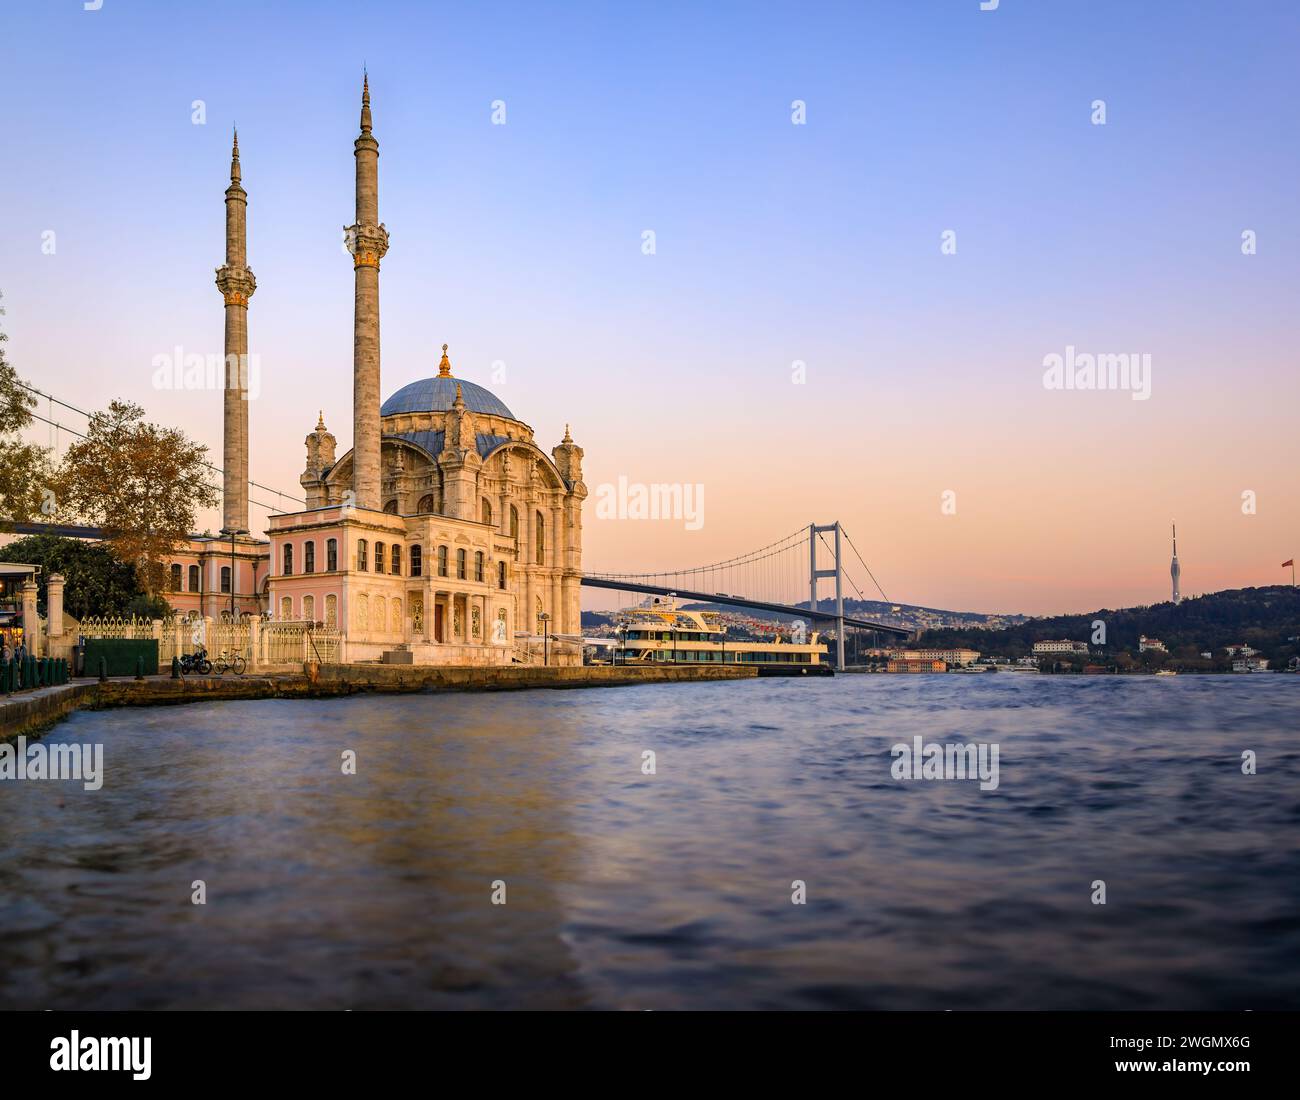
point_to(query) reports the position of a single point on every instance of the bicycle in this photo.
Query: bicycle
(230, 662)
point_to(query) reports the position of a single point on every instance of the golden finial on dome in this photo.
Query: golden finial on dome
(444, 368)
(320, 421)
(567, 437)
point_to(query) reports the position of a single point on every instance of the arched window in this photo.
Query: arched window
(478, 566)
(362, 547)
(395, 623)
(442, 561)
(391, 507)
(514, 522)
(460, 563)
(378, 619)
(417, 560)
(286, 608)
(501, 573)
(309, 557)
(499, 634)
(541, 539)
(426, 503)
(176, 578)
(363, 612)
(288, 559)
(331, 554)
(379, 557)
(487, 510)
(309, 608)
(225, 578)
(331, 611)
(194, 578)
(397, 559)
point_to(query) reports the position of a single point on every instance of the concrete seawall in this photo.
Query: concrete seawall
(29, 713)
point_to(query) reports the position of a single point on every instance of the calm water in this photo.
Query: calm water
(673, 890)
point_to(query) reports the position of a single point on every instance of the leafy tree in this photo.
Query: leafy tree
(25, 472)
(145, 606)
(97, 582)
(144, 484)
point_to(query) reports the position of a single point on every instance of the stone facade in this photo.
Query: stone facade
(446, 530)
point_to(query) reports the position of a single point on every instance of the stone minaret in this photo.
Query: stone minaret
(367, 241)
(1174, 571)
(236, 283)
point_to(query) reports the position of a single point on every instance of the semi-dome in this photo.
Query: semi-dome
(437, 394)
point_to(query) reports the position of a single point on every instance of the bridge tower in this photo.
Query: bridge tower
(815, 574)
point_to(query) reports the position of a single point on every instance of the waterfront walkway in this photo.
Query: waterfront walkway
(32, 711)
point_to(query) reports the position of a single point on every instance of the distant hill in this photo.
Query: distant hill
(1266, 618)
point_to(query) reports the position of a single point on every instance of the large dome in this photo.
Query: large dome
(437, 394)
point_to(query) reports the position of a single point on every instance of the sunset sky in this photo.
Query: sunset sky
(521, 244)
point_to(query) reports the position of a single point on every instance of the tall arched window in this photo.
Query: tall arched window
(417, 560)
(362, 548)
(391, 507)
(487, 510)
(225, 578)
(460, 563)
(478, 565)
(286, 608)
(514, 522)
(331, 611)
(426, 503)
(309, 556)
(541, 539)
(176, 578)
(288, 559)
(397, 559)
(331, 554)
(309, 608)
(379, 557)
(442, 561)
(501, 573)
(379, 620)
(194, 578)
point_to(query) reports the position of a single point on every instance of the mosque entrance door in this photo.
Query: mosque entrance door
(437, 622)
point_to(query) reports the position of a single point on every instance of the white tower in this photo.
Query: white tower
(1174, 571)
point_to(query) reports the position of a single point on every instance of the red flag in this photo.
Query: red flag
(1286, 563)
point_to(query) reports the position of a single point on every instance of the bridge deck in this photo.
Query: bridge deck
(742, 601)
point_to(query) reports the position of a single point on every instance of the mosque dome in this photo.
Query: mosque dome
(437, 394)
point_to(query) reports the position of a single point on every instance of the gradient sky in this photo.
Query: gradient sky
(521, 244)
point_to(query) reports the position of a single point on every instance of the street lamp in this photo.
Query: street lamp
(545, 620)
(233, 532)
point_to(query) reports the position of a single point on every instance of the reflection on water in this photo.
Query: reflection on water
(672, 890)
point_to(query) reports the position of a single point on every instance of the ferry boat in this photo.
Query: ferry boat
(660, 631)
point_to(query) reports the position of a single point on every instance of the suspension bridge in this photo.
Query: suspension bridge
(771, 579)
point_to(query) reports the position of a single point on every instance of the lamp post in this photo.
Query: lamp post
(545, 620)
(622, 642)
(233, 532)
(724, 643)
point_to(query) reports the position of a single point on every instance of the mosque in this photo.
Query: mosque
(446, 531)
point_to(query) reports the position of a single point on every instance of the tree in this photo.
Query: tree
(97, 582)
(143, 484)
(26, 489)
